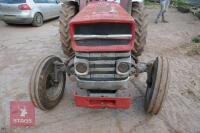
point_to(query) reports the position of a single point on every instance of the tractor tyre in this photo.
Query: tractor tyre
(44, 91)
(157, 84)
(139, 16)
(68, 11)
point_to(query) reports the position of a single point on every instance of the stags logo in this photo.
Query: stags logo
(22, 113)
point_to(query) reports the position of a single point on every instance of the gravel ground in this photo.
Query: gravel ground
(22, 46)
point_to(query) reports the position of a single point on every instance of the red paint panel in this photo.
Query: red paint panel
(102, 102)
(95, 11)
(82, 4)
(83, 100)
(102, 12)
(22, 113)
(124, 3)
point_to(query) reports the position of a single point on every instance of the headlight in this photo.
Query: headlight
(81, 66)
(123, 68)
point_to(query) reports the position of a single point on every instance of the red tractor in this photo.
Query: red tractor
(103, 40)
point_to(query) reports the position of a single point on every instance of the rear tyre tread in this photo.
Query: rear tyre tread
(67, 13)
(141, 27)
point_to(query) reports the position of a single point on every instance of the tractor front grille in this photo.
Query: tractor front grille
(102, 34)
(102, 66)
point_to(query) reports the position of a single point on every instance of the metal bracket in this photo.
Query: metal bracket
(143, 67)
(58, 67)
(63, 67)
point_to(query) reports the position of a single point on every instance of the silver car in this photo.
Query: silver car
(33, 12)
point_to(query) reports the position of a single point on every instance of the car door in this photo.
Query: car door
(44, 7)
(58, 8)
(54, 8)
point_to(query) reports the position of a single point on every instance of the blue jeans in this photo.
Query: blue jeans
(164, 5)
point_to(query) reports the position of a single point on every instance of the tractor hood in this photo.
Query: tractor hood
(102, 26)
(102, 11)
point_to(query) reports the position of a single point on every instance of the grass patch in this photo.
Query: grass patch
(196, 39)
(183, 4)
(150, 4)
(192, 49)
(197, 15)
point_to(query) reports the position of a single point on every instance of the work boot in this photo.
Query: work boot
(163, 20)
(156, 21)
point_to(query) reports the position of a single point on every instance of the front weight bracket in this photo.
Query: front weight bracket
(58, 67)
(143, 67)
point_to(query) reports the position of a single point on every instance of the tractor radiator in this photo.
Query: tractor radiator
(102, 34)
(102, 66)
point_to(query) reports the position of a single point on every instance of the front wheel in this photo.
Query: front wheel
(37, 20)
(8, 23)
(157, 84)
(45, 92)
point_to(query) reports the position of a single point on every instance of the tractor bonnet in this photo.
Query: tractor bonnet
(102, 26)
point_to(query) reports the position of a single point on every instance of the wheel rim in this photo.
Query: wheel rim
(151, 84)
(44, 91)
(53, 89)
(39, 19)
(150, 87)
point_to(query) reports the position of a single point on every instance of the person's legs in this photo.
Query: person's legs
(159, 14)
(162, 6)
(163, 17)
(165, 10)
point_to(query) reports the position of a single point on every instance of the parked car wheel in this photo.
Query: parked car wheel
(8, 23)
(37, 20)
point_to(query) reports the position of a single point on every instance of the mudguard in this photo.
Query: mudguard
(139, 1)
(124, 3)
(118, 1)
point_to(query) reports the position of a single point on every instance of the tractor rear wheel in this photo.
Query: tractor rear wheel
(141, 27)
(45, 92)
(157, 84)
(68, 11)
